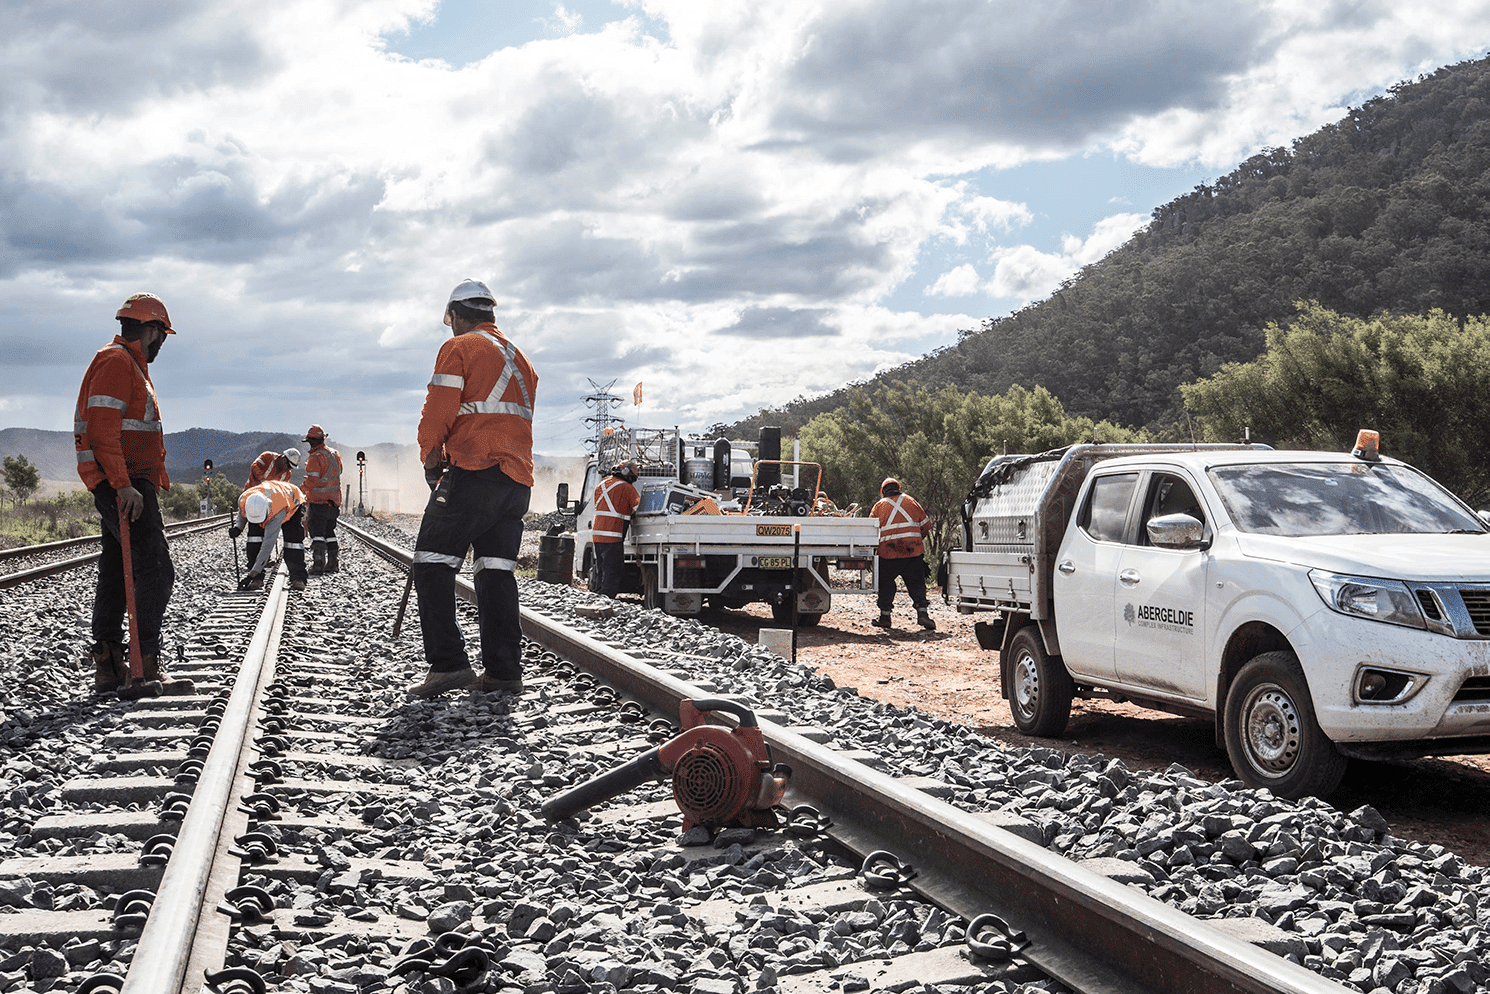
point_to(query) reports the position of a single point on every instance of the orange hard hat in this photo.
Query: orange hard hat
(146, 307)
(890, 481)
(316, 431)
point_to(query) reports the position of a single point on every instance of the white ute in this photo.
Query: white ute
(1316, 605)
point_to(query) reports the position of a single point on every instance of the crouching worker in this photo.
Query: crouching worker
(267, 507)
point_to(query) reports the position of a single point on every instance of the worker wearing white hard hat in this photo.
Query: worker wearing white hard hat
(267, 508)
(476, 440)
(273, 466)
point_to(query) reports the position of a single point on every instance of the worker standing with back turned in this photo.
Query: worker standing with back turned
(121, 456)
(476, 440)
(902, 552)
(322, 488)
(616, 500)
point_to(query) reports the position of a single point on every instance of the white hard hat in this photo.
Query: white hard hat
(293, 455)
(256, 508)
(472, 293)
(472, 290)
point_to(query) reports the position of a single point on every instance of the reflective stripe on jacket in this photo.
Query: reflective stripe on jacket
(263, 469)
(615, 502)
(903, 526)
(282, 497)
(322, 482)
(116, 427)
(479, 405)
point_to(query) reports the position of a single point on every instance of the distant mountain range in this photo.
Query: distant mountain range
(53, 454)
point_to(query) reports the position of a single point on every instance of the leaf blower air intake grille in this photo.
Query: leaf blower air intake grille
(707, 784)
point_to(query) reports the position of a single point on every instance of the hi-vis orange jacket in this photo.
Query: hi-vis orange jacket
(323, 476)
(282, 496)
(903, 527)
(263, 469)
(479, 406)
(116, 427)
(615, 502)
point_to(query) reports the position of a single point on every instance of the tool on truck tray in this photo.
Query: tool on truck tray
(722, 777)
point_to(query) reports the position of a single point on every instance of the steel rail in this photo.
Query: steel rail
(69, 543)
(166, 943)
(1089, 932)
(63, 565)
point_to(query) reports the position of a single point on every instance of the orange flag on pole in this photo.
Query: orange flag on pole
(636, 395)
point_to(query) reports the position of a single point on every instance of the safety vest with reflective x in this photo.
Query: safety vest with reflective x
(615, 502)
(902, 524)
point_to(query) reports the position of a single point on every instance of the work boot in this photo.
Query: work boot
(437, 682)
(332, 566)
(883, 621)
(255, 582)
(489, 684)
(924, 620)
(106, 658)
(318, 559)
(151, 665)
(297, 584)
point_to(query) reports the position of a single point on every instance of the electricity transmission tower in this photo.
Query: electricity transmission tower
(602, 400)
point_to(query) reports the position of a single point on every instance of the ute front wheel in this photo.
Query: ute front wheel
(1042, 689)
(1272, 737)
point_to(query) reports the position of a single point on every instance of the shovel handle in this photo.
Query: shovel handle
(136, 664)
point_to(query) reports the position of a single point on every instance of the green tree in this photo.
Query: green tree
(1420, 380)
(936, 444)
(184, 501)
(22, 479)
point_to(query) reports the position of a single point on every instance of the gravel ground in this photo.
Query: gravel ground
(1360, 906)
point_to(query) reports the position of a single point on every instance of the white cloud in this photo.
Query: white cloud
(724, 204)
(960, 282)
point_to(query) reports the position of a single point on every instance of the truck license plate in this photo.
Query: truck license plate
(775, 562)
(773, 531)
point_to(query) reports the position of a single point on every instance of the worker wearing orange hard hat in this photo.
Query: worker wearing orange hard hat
(902, 552)
(476, 440)
(267, 508)
(616, 500)
(121, 456)
(322, 486)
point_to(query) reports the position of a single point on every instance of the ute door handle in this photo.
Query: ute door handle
(1067, 566)
(1128, 577)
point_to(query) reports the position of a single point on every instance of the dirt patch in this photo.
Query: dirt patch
(943, 673)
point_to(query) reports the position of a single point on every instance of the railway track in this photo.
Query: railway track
(391, 845)
(33, 562)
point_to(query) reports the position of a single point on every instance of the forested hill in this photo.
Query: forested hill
(1387, 209)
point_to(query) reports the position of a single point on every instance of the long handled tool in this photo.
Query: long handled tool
(398, 622)
(237, 573)
(137, 686)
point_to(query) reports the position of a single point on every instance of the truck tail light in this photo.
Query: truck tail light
(689, 563)
(854, 564)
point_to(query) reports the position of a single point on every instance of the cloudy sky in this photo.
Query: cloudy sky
(735, 203)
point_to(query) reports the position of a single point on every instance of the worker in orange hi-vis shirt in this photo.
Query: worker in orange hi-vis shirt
(121, 456)
(272, 466)
(322, 488)
(476, 440)
(902, 552)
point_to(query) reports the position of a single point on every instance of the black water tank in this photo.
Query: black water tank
(770, 448)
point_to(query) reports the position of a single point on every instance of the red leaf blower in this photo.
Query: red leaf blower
(722, 777)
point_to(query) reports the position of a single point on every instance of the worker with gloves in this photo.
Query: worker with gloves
(616, 501)
(322, 487)
(267, 507)
(476, 440)
(272, 466)
(902, 552)
(121, 458)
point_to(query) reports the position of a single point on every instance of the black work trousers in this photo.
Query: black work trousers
(320, 525)
(482, 511)
(912, 570)
(154, 574)
(608, 567)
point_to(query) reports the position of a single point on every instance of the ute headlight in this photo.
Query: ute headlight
(1364, 597)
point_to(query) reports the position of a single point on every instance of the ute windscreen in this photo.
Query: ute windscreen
(1297, 499)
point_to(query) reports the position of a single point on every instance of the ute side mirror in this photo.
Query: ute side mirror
(1177, 531)
(1484, 516)
(563, 497)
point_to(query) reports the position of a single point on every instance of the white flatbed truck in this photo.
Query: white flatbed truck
(1315, 605)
